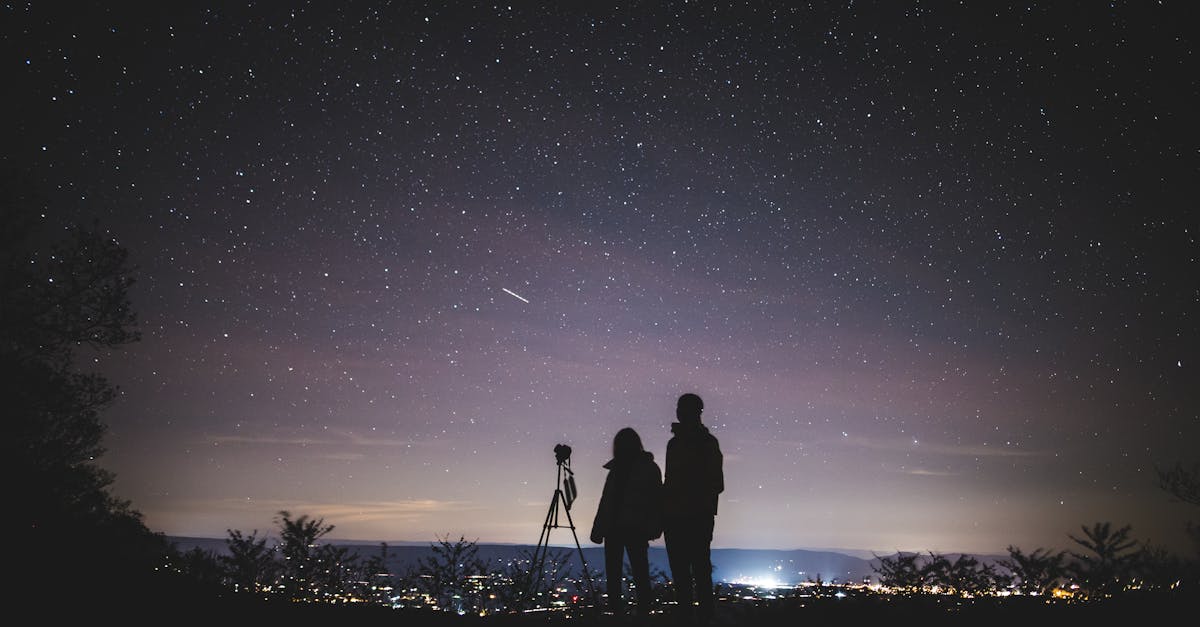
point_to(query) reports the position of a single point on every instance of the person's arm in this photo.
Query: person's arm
(717, 471)
(654, 485)
(600, 522)
(667, 465)
(669, 490)
(654, 502)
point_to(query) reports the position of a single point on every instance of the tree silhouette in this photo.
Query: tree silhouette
(446, 574)
(966, 575)
(1036, 573)
(1159, 569)
(935, 573)
(336, 573)
(1110, 559)
(250, 564)
(659, 584)
(203, 569)
(902, 572)
(377, 580)
(818, 586)
(59, 298)
(517, 577)
(1183, 483)
(311, 571)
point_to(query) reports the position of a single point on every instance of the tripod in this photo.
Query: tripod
(564, 492)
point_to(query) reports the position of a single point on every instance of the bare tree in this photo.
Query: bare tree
(902, 572)
(517, 578)
(1183, 483)
(447, 574)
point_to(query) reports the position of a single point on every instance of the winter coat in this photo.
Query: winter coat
(694, 474)
(631, 503)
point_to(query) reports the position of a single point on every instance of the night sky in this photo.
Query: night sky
(933, 268)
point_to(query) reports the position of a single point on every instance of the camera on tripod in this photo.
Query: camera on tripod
(564, 496)
(562, 454)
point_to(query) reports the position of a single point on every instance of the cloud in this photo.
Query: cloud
(349, 512)
(908, 445)
(395, 511)
(359, 520)
(923, 472)
(335, 438)
(343, 457)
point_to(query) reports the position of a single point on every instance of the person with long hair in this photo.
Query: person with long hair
(628, 518)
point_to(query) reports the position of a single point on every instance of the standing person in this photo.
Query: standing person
(629, 516)
(693, 480)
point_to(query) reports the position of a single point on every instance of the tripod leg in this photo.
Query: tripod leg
(538, 562)
(587, 573)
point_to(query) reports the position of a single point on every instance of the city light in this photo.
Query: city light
(768, 582)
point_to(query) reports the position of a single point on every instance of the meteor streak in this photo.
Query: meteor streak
(515, 295)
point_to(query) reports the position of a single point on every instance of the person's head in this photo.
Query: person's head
(627, 443)
(688, 408)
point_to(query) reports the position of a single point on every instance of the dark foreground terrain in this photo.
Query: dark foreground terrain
(875, 610)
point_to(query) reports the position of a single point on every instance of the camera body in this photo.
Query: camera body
(562, 453)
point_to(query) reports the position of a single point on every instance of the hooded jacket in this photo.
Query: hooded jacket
(694, 475)
(631, 503)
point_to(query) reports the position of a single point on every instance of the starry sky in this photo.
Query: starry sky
(932, 267)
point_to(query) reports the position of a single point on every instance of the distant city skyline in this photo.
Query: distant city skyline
(932, 268)
(742, 566)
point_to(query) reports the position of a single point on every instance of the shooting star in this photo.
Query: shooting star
(515, 295)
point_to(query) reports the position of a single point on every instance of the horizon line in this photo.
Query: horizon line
(849, 552)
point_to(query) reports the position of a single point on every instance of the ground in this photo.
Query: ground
(927, 612)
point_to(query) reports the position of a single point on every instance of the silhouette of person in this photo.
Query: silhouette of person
(694, 478)
(628, 517)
